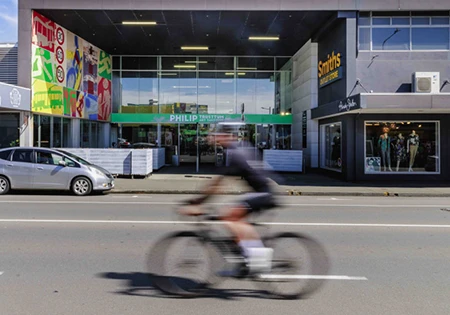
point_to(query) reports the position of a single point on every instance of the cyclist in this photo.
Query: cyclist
(257, 256)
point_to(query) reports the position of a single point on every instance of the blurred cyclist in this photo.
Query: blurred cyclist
(257, 256)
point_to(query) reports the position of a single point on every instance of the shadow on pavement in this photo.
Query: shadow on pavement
(139, 284)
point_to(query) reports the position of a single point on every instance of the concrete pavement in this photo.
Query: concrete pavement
(291, 184)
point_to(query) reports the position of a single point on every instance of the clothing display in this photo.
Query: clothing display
(400, 150)
(413, 146)
(384, 142)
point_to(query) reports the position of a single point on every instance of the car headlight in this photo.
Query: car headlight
(99, 173)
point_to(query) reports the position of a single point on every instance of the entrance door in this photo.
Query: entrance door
(188, 144)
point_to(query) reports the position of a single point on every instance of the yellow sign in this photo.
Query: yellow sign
(330, 70)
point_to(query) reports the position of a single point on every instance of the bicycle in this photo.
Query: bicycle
(221, 255)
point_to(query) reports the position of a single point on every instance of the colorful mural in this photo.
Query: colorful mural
(47, 98)
(104, 100)
(90, 68)
(71, 77)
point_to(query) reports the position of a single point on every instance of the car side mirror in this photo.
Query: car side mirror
(62, 163)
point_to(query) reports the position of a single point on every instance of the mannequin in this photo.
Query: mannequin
(400, 150)
(336, 151)
(384, 142)
(413, 146)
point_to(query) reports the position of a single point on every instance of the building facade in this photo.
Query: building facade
(358, 86)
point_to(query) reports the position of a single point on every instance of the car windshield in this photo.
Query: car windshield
(75, 157)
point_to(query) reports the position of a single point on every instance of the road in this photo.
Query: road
(61, 254)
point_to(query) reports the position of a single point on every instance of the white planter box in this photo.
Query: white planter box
(284, 160)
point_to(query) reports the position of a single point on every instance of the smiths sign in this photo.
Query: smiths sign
(330, 70)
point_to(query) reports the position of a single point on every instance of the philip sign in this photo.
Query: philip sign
(14, 97)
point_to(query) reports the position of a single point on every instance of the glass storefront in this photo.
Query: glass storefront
(402, 147)
(202, 84)
(51, 131)
(331, 147)
(9, 129)
(90, 134)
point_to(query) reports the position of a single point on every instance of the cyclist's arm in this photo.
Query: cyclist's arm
(212, 189)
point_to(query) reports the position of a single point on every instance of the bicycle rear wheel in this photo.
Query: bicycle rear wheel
(182, 264)
(298, 266)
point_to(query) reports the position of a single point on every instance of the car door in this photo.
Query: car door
(48, 174)
(19, 169)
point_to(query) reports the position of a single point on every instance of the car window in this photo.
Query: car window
(22, 155)
(4, 155)
(50, 158)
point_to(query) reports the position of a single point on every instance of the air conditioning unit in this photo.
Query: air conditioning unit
(426, 82)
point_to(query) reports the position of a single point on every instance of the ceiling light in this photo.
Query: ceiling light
(185, 66)
(139, 23)
(196, 62)
(194, 48)
(232, 73)
(264, 38)
(169, 73)
(244, 68)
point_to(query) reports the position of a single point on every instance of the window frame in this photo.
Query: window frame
(438, 151)
(411, 26)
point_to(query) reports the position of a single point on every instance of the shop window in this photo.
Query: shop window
(331, 147)
(401, 147)
(9, 130)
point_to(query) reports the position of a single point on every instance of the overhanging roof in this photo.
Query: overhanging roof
(225, 32)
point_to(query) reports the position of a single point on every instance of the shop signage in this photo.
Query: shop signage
(14, 97)
(304, 128)
(330, 70)
(201, 118)
(348, 105)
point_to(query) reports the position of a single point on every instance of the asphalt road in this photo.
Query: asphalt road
(66, 255)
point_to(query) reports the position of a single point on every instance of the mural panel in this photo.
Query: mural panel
(70, 76)
(104, 100)
(47, 98)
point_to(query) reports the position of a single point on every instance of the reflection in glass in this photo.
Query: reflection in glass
(390, 39)
(331, 149)
(9, 130)
(57, 132)
(139, 92)
(364, 39)
(401, 147)
(430, 38)
(45, 131)
(256, 90)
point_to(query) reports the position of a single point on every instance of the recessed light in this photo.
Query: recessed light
(139, 23)
(194, 48)
(185, 66)
(232, 73)
(247, 68)
(264, 38)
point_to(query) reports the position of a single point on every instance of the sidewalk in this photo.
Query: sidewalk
(166, 182)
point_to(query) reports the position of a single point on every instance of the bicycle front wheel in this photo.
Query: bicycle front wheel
(299, 265)
(181, 264)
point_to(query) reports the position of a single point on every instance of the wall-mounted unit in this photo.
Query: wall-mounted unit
(426, 82)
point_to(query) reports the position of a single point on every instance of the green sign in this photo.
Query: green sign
(200, 118)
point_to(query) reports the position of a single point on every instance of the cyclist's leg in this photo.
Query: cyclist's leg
(246, 235)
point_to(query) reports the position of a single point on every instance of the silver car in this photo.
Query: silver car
(40, 168)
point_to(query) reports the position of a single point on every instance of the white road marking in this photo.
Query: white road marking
(390, 206)
(334, 199)
(1, 272)
(315, 277)
(218, 222)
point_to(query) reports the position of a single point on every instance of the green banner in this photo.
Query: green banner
(200, 118)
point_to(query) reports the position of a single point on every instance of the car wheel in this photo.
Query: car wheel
(81, 186)
(4, 185)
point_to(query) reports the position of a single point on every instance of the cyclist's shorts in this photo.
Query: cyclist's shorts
(256, 202)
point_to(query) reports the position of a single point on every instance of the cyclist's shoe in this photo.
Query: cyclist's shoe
(260, 260)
